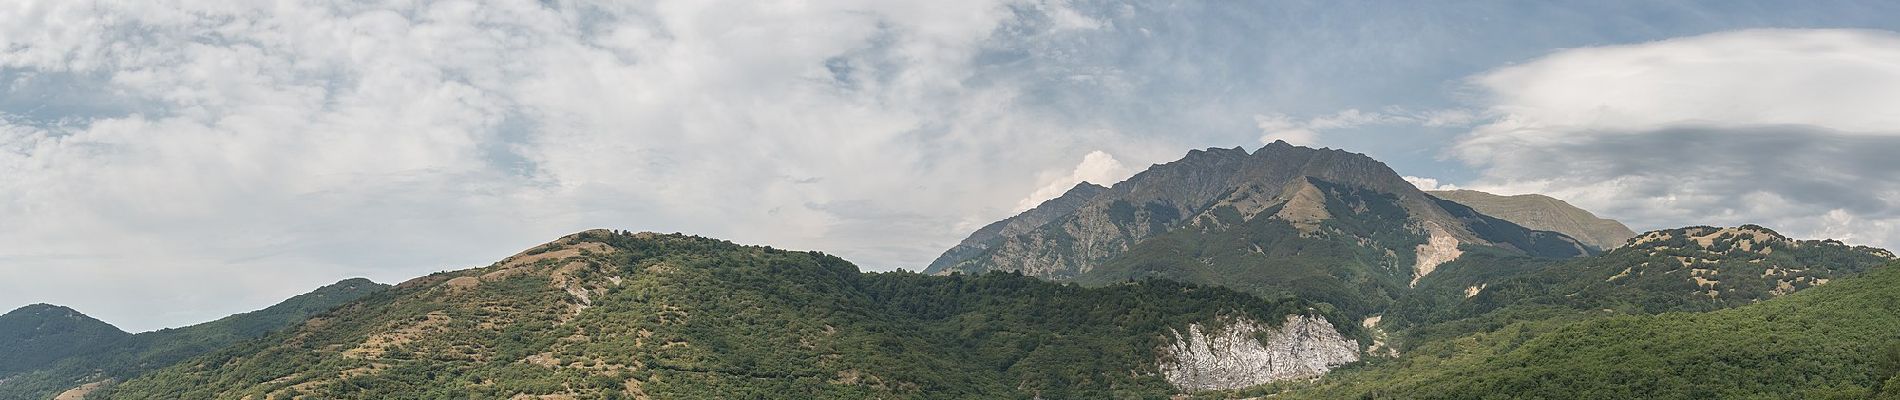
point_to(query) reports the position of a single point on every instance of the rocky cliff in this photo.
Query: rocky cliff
(1101, 224)
(990, 234)
(1284, 221)
(1232, 355)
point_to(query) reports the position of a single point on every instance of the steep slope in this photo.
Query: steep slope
(1544, 213)
(990, 234)
(1840, 340)
(127, 356)
(34, 336)
(1321, 224)
(1686, 269)
(603, 314)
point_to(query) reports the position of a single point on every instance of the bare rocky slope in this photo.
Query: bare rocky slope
(1320, 224)
(1542, 212)
(1234, 355)
(1029, 220)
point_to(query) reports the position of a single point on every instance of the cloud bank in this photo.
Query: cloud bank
(212, 157)
(1792, 129)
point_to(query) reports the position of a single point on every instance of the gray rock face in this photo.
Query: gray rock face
(1067, 236)
(1233, 356)
(990, 234)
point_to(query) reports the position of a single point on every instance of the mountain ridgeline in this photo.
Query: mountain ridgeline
(1284, 221)
(1542, 212)
(603, 314)
(39, 334)
(1694, 269)
(1288, 272)
(50, 350)
(1835, 341)
(606, 314)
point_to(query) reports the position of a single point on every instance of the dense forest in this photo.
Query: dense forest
(1686, 269)
(71, 349)
(1840, 340)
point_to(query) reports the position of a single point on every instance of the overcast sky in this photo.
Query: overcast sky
(167, 162)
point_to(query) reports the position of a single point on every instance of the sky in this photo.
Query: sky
(168, 162)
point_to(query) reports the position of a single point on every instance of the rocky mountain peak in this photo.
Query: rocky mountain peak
(1082, 190)
(1049, 210)
(1220, 216)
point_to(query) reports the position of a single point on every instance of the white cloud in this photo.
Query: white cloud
(258, 150)
(1279, 127)
(1429, 183)
(1839, 79)
(1306, 132)
(1097, 167)
(1793, 129)
(213, 157)
(1064, 16)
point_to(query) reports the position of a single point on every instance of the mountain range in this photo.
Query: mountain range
(48, 350)
(1542, 212)
(1286, 271)
(1282, 221)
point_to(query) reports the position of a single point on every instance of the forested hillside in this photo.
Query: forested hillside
(605, 314)
(1840, 340)
(36, 335)
(69, 358)
(1684, 269)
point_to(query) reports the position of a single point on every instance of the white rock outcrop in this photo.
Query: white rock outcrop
(1233, 356)
(1440, 247)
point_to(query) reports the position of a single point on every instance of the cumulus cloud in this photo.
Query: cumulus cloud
(1429, 183)
(1097, 167)
(1792, 129)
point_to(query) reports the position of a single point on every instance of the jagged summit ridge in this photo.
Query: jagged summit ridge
(1034, 218)
(1071, 235)
(1325, 225)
